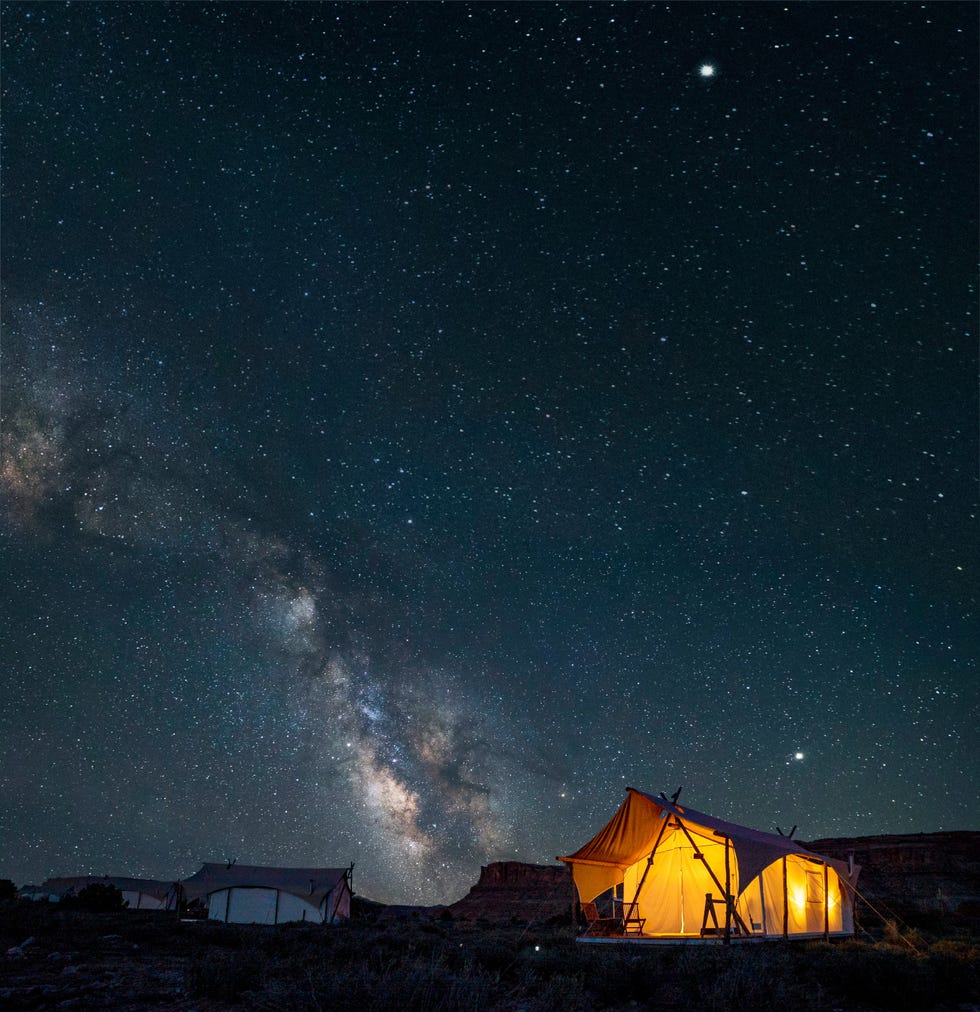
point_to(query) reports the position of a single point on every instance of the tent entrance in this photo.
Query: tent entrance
(686, 879)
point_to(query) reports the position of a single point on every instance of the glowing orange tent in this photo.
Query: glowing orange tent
(672, 872)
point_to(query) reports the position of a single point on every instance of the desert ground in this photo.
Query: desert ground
(408, 959)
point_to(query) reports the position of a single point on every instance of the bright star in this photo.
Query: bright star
(707, 70)
(798, 755)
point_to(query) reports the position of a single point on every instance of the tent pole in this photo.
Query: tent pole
(728, 894)
(826, 905)
(646, 870)
(785, 902)
(714, 878)
(698, 854)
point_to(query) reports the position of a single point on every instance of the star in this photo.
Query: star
(560, 435)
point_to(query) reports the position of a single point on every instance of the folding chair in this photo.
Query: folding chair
(632, 921)
(597, 926)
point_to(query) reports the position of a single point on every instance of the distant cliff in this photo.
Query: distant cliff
(925, 872)
(512, 889)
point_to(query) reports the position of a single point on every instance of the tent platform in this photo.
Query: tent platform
(659, 940)
(695, 940)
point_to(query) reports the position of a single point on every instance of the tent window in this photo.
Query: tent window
(814, 887)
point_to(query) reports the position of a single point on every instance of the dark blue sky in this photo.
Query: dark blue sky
(420, 421)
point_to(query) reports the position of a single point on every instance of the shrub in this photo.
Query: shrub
(97, 898)
(224, 976)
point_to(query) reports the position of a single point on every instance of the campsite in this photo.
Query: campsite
(510, 943)
(423, 960)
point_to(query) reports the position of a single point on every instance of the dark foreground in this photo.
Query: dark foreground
(146, 960)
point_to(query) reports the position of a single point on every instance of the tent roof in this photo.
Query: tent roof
(632, 831)
(75, 883)
(310, 884)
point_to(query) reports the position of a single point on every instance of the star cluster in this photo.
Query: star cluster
(420, 422)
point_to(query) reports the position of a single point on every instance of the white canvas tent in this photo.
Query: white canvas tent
(673, 872)
(138, 893)
(252, 894)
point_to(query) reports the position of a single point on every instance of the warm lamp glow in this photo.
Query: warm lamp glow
(798, 897)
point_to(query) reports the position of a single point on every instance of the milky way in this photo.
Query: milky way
(420, 423)
(392, 745)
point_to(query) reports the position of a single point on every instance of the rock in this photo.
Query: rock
(17, 951)
(509, 890)
(927, 872)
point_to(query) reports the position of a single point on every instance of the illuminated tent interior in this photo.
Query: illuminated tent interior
(661, 869)
(252, 894)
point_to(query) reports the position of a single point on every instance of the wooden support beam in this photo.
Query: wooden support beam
(785, 902)
(725, 892)
(728, 892)
(826, 904)
(646, 870)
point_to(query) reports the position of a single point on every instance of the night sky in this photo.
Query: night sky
(421, 421)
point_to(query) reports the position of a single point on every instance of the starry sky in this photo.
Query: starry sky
(422, 421)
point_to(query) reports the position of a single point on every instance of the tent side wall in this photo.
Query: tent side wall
(674, 892)
(258, 905)
(292, 908)
(218, 905)
(802, 906)
(144, 901)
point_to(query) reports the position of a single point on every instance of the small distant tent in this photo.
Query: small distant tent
(671, 872)
(252, 894)
(138, 893)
